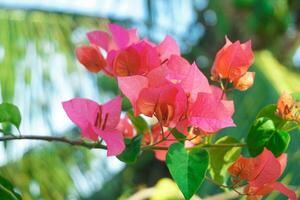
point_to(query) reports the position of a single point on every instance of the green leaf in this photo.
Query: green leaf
(178, 135)
(7, 190)
(133, 147)
(222, 158)
(264, 134)
(281, 124)
(187, 167)
(138, 122)
(279, 142)
(269, 112)
(126, 105)
(108, 84)
(10, 113)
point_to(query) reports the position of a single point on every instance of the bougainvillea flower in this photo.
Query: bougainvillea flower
(210, 113)
(136, 59)
(232, 61)
(261, 174)
(167, 103)
(126, 128)
(244, 82)
(178, 71)
(288, 108)
(167, 48)
(91, 58)
(117, 38)
(127, 62)
(96, 120)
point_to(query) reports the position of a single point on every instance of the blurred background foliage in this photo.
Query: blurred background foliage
(38, 70)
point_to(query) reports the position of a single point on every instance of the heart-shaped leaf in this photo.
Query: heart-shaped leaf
(187, 167)
(281, 124)
(10, 113)
(133, 147)
(264, 134)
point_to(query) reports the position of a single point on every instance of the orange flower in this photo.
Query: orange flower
(288, 108)
(91, 58)
(232, 61)
(261, 174)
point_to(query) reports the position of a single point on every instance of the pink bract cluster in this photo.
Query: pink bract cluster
(159, 83)
(261, 174)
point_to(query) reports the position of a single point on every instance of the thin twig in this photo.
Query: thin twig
(97, 145)
(223, 186)
(80, 142)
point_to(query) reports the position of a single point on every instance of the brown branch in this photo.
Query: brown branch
(98, 145)
(79, 142)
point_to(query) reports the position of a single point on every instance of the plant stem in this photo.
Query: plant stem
(80, 142)
(98, 145)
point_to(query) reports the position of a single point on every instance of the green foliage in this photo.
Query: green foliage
(108, 84)
(177, 134)
(269, 111)
(126, 105)
(138, 122)
(10, 113)
(222, 158)
(133, 147)
(264, 134)
(49, 168)
(188, 168)
(7, 190)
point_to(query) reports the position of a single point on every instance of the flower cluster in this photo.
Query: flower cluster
(176, 95)
(160, 83)
(261, 174)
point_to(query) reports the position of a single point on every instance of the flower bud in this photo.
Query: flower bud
(244, 82)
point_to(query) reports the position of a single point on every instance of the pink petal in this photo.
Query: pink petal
(83, 113)
(114, 141)
(147, 101)
(233, 60)
(218, 93)
(157, 76)
(167, 48)
(133, 36)
(178, 67)
(195, 82)
(149, 55)
(191, 79)
(282, 159)
(284, 190)
(131, 87)
(119, 34)
(271, 170)
(99, 38)
(126, 128)
(91, 58)
(209, 114)
(112, 110)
